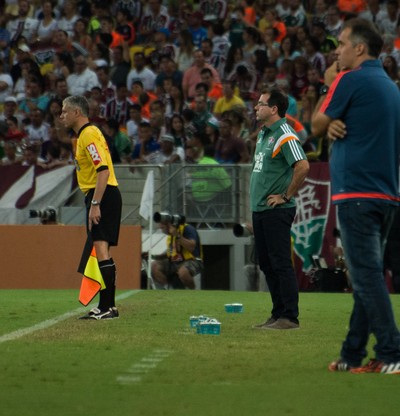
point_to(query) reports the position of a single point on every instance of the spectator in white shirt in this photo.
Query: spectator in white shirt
(141, 73)
(83, 79)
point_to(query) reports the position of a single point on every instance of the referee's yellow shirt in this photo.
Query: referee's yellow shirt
(92, 153)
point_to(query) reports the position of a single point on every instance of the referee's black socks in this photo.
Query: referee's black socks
(107, 296)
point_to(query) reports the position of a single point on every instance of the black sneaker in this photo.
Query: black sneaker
(97, 314)
(89, 315)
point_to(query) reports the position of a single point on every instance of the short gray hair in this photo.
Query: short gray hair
(78, 101)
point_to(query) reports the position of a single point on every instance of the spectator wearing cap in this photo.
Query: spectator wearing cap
(83, 79)
(10, 108)
(212, 130)
(229, 100)
(154, 18)
(141, 73)
(192, 76)
(6, 83)
(196, 28)
(169, 153)
(124, 26)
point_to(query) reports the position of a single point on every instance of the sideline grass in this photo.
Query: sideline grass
(150, 362)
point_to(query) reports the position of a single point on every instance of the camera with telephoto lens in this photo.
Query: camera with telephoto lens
(46, 216)
(166, 218)
(241, 230)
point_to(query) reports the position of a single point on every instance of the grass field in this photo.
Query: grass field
(150, 362)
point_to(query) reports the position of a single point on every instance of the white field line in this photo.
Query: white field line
(135, 373)
(53, 321)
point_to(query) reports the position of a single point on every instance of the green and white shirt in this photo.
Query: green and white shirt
(277, 150)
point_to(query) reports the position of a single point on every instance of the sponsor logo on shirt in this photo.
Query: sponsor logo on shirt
(94, 154)
(258, 162)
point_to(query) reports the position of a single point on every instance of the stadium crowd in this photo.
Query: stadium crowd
(159, 72)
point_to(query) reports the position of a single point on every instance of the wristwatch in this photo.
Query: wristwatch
(285, 197)
(94, 202)
(324, 90)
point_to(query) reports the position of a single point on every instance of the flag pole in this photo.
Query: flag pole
(146, 211)
(150, 281)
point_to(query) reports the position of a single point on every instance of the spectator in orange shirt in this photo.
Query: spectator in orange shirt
(142, 97)
(250, 15)
(271, 19)
(352, 7)
(107, 28)
(214, 88)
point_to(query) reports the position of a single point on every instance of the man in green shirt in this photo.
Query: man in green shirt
(279, 168)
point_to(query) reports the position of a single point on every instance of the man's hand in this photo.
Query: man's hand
(336, 130)
(274, 200)
(94, 216)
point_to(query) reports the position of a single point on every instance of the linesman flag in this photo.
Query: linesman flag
(92, 280)
(146, 203)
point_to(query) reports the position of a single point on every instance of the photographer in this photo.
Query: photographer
(180, 266)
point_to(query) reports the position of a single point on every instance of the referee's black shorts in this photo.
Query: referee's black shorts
(110, 207)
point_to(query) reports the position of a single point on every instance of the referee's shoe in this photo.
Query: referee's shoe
(97, 314)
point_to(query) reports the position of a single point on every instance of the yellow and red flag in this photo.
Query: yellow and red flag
(92, 280)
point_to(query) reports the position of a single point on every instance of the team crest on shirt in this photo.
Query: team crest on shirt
(94, 154)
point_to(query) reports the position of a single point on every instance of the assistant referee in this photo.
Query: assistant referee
(96, 179)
